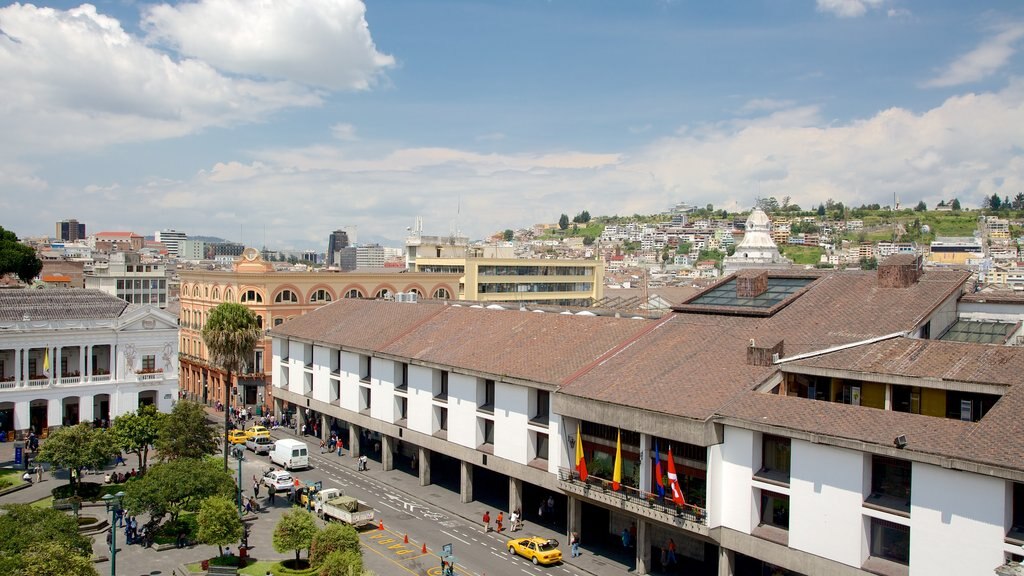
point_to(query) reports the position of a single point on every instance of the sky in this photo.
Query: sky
(274, 122)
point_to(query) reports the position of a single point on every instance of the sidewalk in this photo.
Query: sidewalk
(599, 562)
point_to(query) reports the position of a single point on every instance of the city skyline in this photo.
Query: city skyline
(296, 118)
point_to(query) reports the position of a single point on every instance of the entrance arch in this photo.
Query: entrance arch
(70, 411)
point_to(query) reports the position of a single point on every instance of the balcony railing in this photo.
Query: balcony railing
(150, 376)
(639, 500)
(68, 380)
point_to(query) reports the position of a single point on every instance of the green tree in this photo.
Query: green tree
(921, 206)
(177, 486)
(230, 334)
(563, 221)
(508, 235)
(995, 202)
(684, 248)
(185, 433)
(22, 527)
(134, 432)
(347, 563)
(821, 210)
(219, 523)
(956, 205)
(588, 240)
(54, 559)
(295, 531)
(869, 263)
(333, 538)
(78, 447)
(18, 258)
(584, 217)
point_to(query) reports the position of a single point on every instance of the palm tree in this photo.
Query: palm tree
(231, 333)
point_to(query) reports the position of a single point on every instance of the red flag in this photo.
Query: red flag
(673, 481)
(581, 462)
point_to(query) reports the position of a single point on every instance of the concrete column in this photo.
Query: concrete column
(82, 355)
(58, 366)
(726, 562)
(575, 514)
(278, 408)
(85, 408)
(645, 462)
(515, 493)
(387, 452)
(424, 464)
(300, 419)
(466, 483)
(325, 427)
(54, 413)
(888, 396)
(17, 365)
(353, 440)
(22, 415)
(643, 547)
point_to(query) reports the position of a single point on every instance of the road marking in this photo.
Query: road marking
(456, 537)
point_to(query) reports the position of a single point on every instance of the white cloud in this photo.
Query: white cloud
(898, 13)
(344, 132)
(323, 43)
(987, 58)
(848, 8)
(762, 104)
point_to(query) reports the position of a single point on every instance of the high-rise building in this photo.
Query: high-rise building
(172, 239)
(335, 242)
(361, 257)
(70, 230)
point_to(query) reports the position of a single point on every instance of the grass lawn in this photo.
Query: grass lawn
(803, 254)
(44, 503)
(256, 568)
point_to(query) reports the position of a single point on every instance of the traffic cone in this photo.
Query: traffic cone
(406, 540)
(381, 525)
(424, 548)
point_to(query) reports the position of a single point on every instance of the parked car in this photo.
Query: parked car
(535, 549)
(281, 480)
(260, 444)
(237, 436)
(256, 431)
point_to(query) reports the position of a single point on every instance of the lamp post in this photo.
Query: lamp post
(113, 503)
(239, 455)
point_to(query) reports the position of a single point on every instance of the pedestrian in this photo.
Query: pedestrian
(323, 446)
(362, 463)
(303, 429)
(340, 446)
(39, 472)
(120, 460)
(27, 477)
(574, 541)
(625, 537)
(272, 491)
(501, 517)
(513, 519)
(487, 521)
(255, 489)
(671, 551)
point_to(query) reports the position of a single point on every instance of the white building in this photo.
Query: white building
(817, 424)
(192, 250)
(757, 249)
(172, 239)
(130, 278)
(73, 355)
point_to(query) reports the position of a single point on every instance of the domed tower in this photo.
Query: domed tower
(757, 249)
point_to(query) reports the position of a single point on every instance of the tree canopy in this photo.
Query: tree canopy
(185, 433)
(18, 258)
(42, 541)
(78, 447)
(218, 522)
(295, 531)
(563, 221)
(135, 431)
(177, 486)
(333, 538)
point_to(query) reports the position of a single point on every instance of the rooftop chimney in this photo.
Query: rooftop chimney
(899, 271)
(751, 286)
(763, 355)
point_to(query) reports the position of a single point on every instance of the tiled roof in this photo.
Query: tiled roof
(358, 323)
(58, 304)
(928, 359)
(1001, 296)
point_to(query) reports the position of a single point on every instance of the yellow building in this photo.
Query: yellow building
(523, 281)
(274, 297)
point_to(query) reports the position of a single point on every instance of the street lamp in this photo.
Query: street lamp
(113, 503)
(239, 454)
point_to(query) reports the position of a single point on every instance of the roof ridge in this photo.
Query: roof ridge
(617, 348)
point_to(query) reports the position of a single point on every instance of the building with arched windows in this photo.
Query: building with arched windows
(274, 297)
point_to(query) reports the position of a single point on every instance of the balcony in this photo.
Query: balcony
(646, 504)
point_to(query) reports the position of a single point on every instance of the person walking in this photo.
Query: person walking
(487, 521)
(501, 518)
(272, 491)
(574, 541)
(671, 551)
(255, 489)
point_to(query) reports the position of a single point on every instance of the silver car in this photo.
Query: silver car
(260, 444)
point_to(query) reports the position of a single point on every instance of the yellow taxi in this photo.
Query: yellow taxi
(237, 436)
(537, 550)
(256, 431)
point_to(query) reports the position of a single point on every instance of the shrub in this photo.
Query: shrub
(342, 563)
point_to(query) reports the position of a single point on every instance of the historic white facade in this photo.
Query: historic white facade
(757, 249)
(70, 356)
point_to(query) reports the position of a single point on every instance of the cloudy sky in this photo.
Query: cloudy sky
(278, 121)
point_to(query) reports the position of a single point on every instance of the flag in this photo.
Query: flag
(617, 477)
(581, 463)
(46, 362)
(673, 481)
(657, 471)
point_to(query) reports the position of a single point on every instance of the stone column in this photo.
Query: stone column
(353, 440)
(424, 464)
(387, 452)
(643, 547)
(300, 419)
(17, 365)
(726, 562)
(85, 408)
(515, 493)
(83, 354)
(575, 514)
(325, 427)
(55, 413)
(278, 408)
(466, 483)
(645, 462)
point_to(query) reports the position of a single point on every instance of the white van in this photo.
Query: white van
(290, 454)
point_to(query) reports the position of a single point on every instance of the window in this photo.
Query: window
(216, 291)
(320, 295)
(1017, 514)
(775, 459)
(364, 399)
(906, 399)
(278, 321)
(251, 296)
(774, 510)
(442, 293)
(401, 376)
(149, 363)
(120, 284)
(416, 291)
(485, 428)
(441, 418)
(258, 362)
(402, 405)
(441, 385)
(543, 403)
(228, 295)
(384, 294)
(285, 296)
(364, 368)
(542, 446)
(486, 396)
(890, 541)
(353, 293)
(890, 483)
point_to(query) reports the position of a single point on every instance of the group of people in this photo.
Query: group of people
(515, 520)
(119, 477)
(132, 533)
(332, 444)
